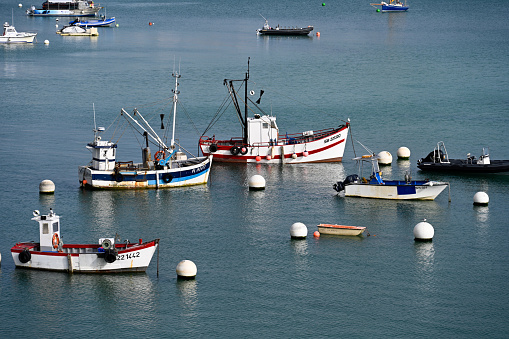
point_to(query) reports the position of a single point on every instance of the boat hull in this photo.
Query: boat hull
(396, 190)
(394, 8)
(325, 148)
(288, 31)
(65, 12)
(193, 172)
(16, 39)
(340, 230)
(87, 258)
(462, 166)
(94, 23)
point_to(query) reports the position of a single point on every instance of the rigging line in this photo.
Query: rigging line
(189, 117)
(180, 146)
(216, 118)
(302, 103)
(351, 139)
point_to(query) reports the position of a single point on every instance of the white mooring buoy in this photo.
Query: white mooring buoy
(298, 231)
(46, 187)
(186, 269)
(384, 158)
(256, 183)
(46, 42)
(481, 199)
(423, 231)
(403, 153)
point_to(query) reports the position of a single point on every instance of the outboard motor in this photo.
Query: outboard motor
(354, 178)
(339, 186)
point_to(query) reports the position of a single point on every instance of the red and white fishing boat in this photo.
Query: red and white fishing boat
(340, 229)
(105, 257)
(262, 142)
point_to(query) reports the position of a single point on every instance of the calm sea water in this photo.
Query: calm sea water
(438, 72)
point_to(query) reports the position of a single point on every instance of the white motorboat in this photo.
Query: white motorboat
(170, 166)
(106, 256)
(71, 8)
(376, 187)
(10, 35)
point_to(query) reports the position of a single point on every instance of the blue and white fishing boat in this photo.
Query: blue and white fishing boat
(376, 187)
(65, 8)
(392, 6)
(170, 166)
(103, 22)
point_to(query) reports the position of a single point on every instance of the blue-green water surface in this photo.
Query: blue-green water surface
(438, 72)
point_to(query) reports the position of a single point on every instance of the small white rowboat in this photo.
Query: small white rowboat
(340, 229)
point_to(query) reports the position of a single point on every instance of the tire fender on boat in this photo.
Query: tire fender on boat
(234, 150)
(110, 256)
(24, 256)
(118, 177)
(167, 177)
(213, 148)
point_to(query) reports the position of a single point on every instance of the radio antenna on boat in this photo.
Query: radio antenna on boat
(93, 108)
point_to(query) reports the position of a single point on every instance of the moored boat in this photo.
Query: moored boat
(438, 161)
(107, 256)
(74, 30)
(11, 36)
(392, 6)
(103, 22)
(340, 229)
(170, 166)
(376, 187)
(262, 142)
(65, 8)
(268, 30)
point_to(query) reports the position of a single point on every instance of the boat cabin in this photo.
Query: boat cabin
(49, 230)
(103, 154)
(262, 130)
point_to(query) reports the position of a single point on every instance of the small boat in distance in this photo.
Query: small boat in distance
(261, 141)
(392, 6)
(268, 30)
(438, 161)
(74, 30)
(170, 167)
(340, 229)
(103, 22)
(107, 256)
(376, 187)
(11, 36)
(65, 8)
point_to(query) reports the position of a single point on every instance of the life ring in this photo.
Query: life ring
(24, 256)
(243, 150)
(110, 256)
(55, 240)
(160, 155)
(234, 150)
(213, 148)
(167, 178)
(118, 177)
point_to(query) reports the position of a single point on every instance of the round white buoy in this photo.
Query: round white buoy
(186, 269)
(46, 42)
(384, 158)
(47, 187)
(298, 230)
(20, 5)
(481, 199)
(403, 153)
(294, 156)
(423, 231)
(256, 183)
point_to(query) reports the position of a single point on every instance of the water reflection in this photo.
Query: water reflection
(425, 255)
(188, 293)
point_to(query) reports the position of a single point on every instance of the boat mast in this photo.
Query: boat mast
(176, 92)
(245, 102)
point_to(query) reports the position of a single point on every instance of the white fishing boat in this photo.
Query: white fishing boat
(340, 229)
(262, 141)
(75, 30)
(11, 36)
(376, 187)
(106, 256)
(170, 166)
(71, 8)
